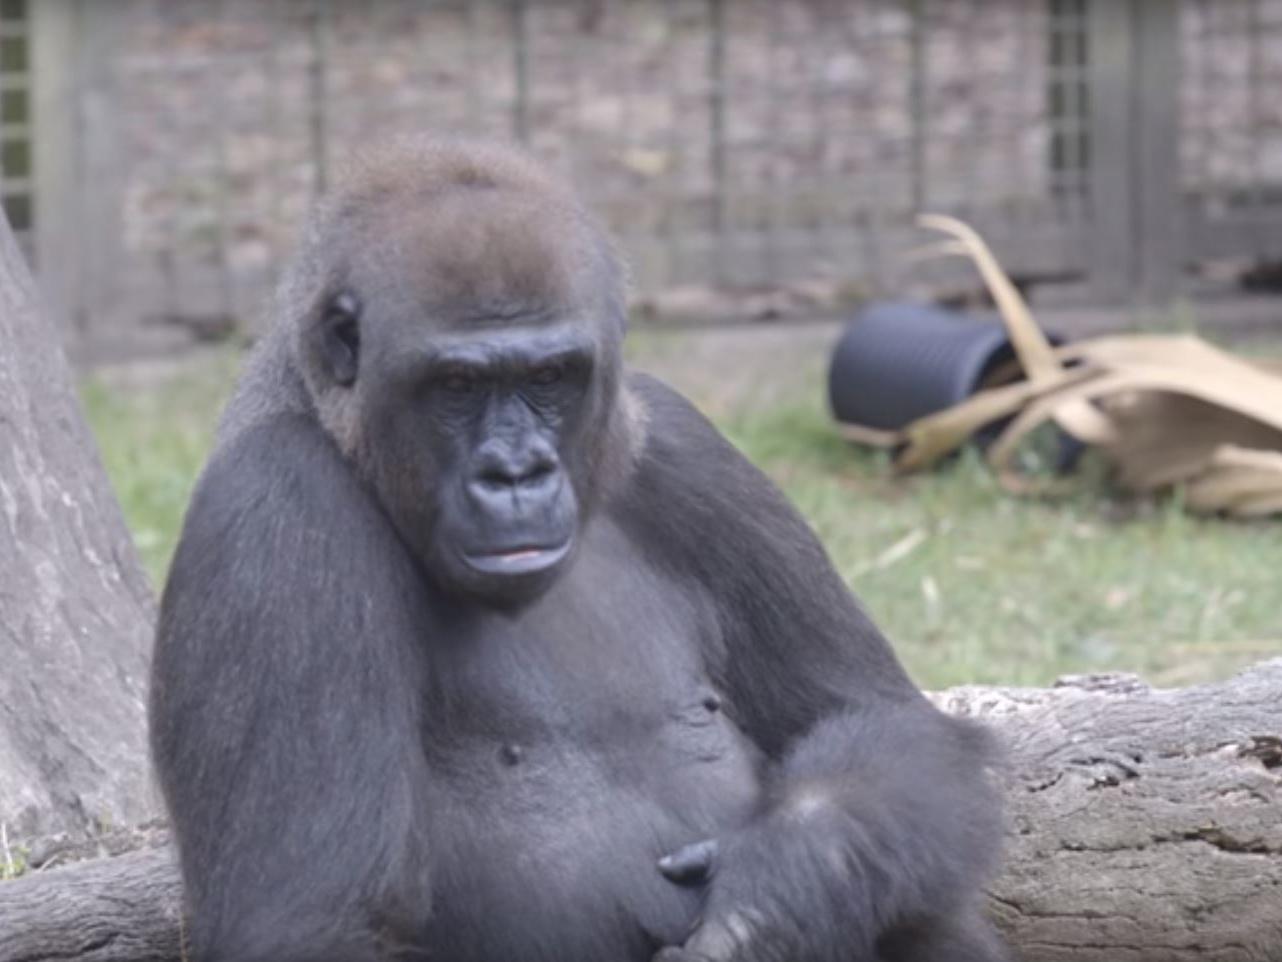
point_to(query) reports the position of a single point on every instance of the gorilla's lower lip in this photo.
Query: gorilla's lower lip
(522, 560)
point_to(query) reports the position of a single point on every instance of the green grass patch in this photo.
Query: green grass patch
(154, 430)
(976, 586)
(971, 584)
(13, 858)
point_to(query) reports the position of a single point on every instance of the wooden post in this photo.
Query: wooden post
(917, 101)
(1109, 44)
(56, 151)
(1136, 226)
(100, 166)
(1155, 159)
(318, 92)
(521, 70)
(716, 79)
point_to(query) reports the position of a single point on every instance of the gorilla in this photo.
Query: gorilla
(479, 647)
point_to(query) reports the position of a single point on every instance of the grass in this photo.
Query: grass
(13, 858)
(154, 429)
(971, 584)
(974, 585)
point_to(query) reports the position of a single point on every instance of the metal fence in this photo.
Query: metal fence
(160, 153)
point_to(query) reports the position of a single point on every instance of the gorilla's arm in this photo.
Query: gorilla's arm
(881, 813)
(281, 700)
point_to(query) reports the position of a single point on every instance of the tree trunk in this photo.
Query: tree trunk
(75, 607)
(1144, 826)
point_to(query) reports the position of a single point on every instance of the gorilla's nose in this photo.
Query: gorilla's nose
(504, 471)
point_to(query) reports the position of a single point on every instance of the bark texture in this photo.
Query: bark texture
(122, 909)
(75, 607)
(1144, 826)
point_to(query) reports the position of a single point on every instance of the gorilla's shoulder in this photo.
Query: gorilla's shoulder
(280, 469)
(670, 422)
(273, 447)
(270, 386)
(692, 477)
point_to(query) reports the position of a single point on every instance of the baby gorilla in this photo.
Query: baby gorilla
(478, 647)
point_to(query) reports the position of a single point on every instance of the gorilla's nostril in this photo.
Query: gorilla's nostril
(539, 473)
(494, 479)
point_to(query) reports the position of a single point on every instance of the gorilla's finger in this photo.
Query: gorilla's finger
(690, 864)
(722, 939)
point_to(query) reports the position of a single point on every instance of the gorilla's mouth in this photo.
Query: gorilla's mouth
(519, 560)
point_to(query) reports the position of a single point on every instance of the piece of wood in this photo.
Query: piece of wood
(1145, 826)
(122, 909)
(75, 606)
(1111, 244)
(1156, 137)
(59, 239)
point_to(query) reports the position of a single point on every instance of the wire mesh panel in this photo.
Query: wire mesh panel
(1231, 127)
(214, 108)
(15, 118)
(748, 144)
(1069, 120)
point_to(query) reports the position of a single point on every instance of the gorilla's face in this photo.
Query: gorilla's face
(480, 368)
(486, 431)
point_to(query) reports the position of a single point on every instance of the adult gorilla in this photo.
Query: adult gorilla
(478, 648)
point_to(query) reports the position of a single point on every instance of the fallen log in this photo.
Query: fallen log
(1144, 826)
(119, 909)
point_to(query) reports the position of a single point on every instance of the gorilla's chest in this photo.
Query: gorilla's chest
(570, 749)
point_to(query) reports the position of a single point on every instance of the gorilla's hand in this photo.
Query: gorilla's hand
(791, 888)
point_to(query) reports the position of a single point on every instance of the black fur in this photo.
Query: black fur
(368, 756)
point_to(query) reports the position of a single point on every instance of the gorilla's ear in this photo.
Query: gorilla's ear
(339, 339)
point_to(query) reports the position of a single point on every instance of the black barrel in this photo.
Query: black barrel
(897, 362)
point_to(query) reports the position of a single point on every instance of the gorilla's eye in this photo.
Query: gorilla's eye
(341, 338)
(458, 382)
(546, 375)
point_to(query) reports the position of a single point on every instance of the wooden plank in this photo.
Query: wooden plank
(917, 101)
(1110, 28)
(320, 29)
(100, 162)
(521, 40)
(718, 161)
(58, 243)
(1155, 160)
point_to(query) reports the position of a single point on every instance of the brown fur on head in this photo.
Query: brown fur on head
(484, 212)
(462, 222)
(452, 228)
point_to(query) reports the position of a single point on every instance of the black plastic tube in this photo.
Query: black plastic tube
(897, 362)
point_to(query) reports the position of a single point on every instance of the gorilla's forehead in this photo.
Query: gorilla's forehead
(476, 256)
(492, 347)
